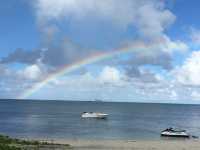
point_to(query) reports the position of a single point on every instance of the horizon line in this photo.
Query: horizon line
(102, 101)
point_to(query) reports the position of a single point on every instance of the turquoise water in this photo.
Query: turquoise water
(61, 119)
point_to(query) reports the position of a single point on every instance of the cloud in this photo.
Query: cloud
(120, 13)
(170, 46)
(189, 72)
(110, 10)
(153, 20)
(148, 18)
(124, 14)
(195, 35)
(22, 56)
(173, 94)
(11, 84)
(147, 76)
(158, 53)
(49, 34)
(32, 72)
(66, 52)
(110, 84)
(109, 81)
(154, 58)
(4, 71)
(57, 54)
(195, 95)
(110, 75)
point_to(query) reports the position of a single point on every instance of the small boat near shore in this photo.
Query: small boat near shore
(171, 132)
(94, 115)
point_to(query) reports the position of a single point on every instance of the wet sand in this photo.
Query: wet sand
(132, 144)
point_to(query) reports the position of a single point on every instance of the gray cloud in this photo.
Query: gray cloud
(11, 84)
(162, 59)
(22, 56)
(65, 52)
(55, 54)
(133, 64)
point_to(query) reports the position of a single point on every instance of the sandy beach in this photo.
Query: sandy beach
(132, 144)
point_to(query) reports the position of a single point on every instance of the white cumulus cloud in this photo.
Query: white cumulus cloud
(152, 20)
(149, 16)
(189, 72)
(32, 72)
(195, 95)
(171, 46)
(110, 75)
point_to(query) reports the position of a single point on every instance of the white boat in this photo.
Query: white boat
(94, 115)
(170, 132)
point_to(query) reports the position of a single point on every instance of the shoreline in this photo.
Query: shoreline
(100, 144)
(82, 144)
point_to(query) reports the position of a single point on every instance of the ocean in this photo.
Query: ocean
(61, 119)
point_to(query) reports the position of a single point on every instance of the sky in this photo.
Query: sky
(158, 43)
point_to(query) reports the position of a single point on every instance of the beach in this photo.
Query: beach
(7, 142)
(132, 144)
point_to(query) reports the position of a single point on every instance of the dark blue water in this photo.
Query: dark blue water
(60, 119)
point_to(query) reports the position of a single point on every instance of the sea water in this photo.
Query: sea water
(61, 119)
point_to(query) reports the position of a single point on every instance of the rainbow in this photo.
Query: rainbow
(77, 65)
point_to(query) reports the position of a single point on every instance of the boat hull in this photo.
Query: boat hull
(171, 134)
(182, 136)
(94, 115)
